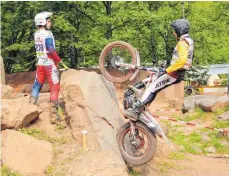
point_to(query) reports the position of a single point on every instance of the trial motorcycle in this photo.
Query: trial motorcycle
(120, 62)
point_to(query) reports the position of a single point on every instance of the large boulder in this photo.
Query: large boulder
(208, 103)
(25, 154)
(18, 113)
(91, 105)
(189, 104)
(94, 97)
(6, 92)
(211, 103)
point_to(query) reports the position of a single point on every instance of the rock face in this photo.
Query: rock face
(91, 105)
(18, 113)
(93, 97)
(25, 154)
(6, 92)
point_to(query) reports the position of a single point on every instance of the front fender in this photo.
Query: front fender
(153, 125)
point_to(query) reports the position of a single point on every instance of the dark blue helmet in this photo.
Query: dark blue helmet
(181, 26)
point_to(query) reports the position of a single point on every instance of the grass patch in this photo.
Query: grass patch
(198, 113)
(194, 139)
(134, 173)
(175, 116)
(5, 171)
(30, 131)
(36, 133)
(50, 170)
(187, 141)
(165, 166)
(216, 142)
(59, 127)
(220, 124)
(190, 141)
(176, 155)
(220, 111)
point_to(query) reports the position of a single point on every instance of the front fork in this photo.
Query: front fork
(132, 127)
(133, 139)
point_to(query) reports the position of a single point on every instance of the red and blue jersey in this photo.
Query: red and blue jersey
(45, 48)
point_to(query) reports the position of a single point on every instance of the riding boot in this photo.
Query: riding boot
(33, 100)
(134, 112)
(53, 112)
(57, 112)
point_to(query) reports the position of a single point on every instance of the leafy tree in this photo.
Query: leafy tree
(82, 29)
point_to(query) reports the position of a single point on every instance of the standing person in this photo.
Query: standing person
(48, 61)
(181, 61)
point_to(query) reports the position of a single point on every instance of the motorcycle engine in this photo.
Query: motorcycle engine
(129, 96)
(129, 99)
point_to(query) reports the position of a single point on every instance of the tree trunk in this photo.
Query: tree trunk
(3, 80)
(153, 47)
(108, 10)
(167, 50)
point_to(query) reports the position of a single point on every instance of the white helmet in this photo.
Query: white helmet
(40, 18)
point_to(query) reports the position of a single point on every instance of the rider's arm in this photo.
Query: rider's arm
(52, 54)
(183, 56)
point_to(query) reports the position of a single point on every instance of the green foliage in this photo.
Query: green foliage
(165, 166)
(82, 29)
(43, 136)
(220, 111)
(198, 113)
(59, 127)
(134, 173)
(30, 131)
(5, 171)
(221, 124)
(197, 74)
(176, 155)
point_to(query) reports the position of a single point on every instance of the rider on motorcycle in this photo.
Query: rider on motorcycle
(181, 61)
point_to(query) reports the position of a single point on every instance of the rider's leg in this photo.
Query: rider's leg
(38, 83)
(150, 93)
(54, 84)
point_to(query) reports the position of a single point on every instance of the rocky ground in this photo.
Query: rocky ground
(32, 146)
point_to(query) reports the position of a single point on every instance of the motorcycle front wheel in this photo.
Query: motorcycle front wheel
(117, 51)
(139, 150)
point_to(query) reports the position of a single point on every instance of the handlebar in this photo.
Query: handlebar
(131, 66)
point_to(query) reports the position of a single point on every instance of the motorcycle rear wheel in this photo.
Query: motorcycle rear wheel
(151, 140)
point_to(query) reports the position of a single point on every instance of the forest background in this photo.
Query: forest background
(82, 29)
